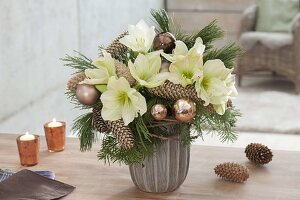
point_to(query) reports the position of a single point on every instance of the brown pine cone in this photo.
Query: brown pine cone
(98, 122)
(232, 172)
(258, 153)
(122, 133)
(74, 80)
(174, 92)
(116, 47)
(123, 71)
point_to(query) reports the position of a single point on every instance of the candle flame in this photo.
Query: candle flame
(54, 120)
(26, 133)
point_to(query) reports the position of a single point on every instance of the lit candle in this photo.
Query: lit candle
(55, 132)
(28, 146)
(54, 123)
(27, 137)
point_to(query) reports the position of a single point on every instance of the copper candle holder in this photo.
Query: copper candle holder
(55, 133)
(29, 150)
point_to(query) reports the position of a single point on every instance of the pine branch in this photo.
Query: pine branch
(111, 151)
(223, 125)
(208, 34)
(83, 126)
(79, 63)
(162, 20)
(227, 54)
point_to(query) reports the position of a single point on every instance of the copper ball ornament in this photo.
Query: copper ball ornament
(159, 112)
(164, 41)
(184, 110)
(87, 94)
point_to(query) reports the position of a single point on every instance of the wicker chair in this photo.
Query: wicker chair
(284, 60)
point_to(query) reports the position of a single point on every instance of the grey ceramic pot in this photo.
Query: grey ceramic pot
(165, 171)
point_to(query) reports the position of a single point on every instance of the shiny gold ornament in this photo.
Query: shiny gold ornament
(159, 112)
(87, 94)
(164, 41)
(184, 110)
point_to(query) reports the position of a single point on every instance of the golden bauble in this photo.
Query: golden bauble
(87, 94)
(159, 112)
(184, 110)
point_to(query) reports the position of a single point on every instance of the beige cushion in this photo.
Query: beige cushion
(270, 40)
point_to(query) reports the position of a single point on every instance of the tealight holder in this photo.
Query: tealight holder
(55, 133)
(29, 151)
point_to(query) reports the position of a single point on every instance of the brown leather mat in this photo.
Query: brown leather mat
(27, 185)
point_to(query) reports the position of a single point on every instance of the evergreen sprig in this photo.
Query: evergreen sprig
(83, 126)
(227, 54)
(161, 19)
(223, 125)
(208, 34)
(79, 62)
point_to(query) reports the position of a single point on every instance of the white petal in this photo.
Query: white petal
(220, 109)
(180, 48)
(120, 84)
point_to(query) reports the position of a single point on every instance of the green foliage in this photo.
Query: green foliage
(227, 54)
(162, 20)
(208, 34)
(111, 151)
(79, 63)
(83, 126)
(223, 125)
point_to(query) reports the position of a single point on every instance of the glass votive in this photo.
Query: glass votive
(55, 133)
(28, 147)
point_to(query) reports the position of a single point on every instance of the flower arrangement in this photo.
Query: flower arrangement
(150, 78)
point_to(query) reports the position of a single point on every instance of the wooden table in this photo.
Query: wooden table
(94, 180)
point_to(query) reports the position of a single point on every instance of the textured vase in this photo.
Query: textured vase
(165, 171)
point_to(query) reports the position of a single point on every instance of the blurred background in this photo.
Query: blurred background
(35, 34)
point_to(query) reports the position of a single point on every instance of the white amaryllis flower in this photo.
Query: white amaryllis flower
(120, 101)
(216, 85)
(186, 64)
(105, 69)
(145, 70)
(140, 37)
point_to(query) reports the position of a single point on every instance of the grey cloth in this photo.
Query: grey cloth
(270, 40)
(28, 185)
(4, 174)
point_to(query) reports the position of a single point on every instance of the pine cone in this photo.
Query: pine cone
(174, 92)
(123, 71)
(98, 122)
(116, 47)
(74, 80)
(258, 153)
(232, 172)
(122, 133)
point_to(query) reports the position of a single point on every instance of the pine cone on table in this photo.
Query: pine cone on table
(258, 153)
(232, 172)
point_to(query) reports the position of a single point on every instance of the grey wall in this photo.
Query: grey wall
(34, 34)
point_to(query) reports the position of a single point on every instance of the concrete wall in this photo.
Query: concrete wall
(34, 34)
(192, 15)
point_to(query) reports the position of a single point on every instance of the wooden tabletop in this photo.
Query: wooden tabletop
(280, 179)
